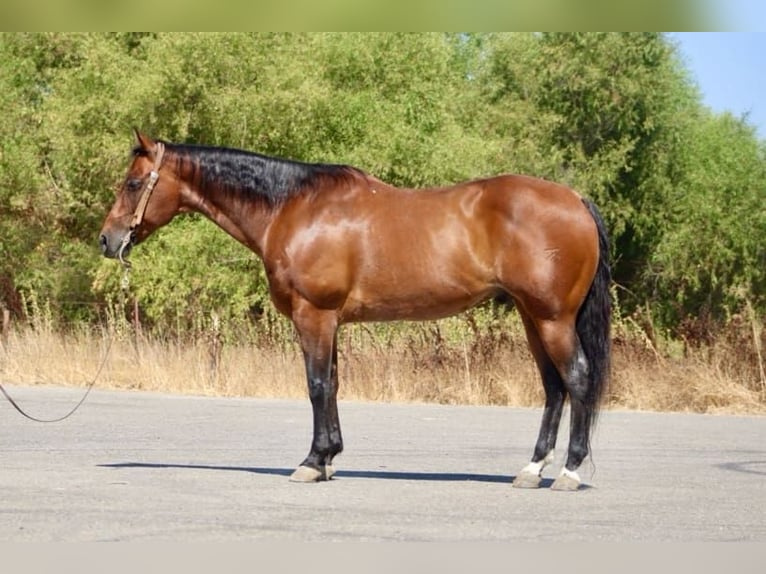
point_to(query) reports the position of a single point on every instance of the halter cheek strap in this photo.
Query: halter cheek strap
(138, 214)
(154, 175)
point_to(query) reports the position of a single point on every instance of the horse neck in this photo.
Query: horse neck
(244, 192)
(246, 219)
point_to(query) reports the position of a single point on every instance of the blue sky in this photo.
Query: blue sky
(738, 15)
(730, 69)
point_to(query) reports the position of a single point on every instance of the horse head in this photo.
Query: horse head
(147, 199)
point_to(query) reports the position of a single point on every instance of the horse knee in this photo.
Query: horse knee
(319, 388)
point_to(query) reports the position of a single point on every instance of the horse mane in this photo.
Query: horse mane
(256, 176)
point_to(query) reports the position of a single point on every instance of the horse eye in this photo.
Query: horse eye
(133, 184)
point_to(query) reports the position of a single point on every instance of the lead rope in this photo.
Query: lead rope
(138, 217)
(125, 283)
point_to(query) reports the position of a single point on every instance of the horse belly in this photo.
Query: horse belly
(416, 296)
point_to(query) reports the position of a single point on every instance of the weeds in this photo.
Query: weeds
(480, 357)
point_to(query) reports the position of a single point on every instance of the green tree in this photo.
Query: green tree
(613, 115)
(24, 187)
(603, 113)
(711, 259)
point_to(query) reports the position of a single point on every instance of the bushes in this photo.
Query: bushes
(613, 115)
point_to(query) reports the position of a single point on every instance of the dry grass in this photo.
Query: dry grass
(456, 361)
(710, 374)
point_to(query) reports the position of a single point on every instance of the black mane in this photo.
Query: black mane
(255, 175)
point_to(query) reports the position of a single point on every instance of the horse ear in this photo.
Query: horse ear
(143, 141)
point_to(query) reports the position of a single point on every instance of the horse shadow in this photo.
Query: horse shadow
(340, 474)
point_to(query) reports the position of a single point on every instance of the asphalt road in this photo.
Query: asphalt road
(132, 466)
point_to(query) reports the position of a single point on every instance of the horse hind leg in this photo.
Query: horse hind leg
(565, 351)
(543, 455)
(555, 393)
(581, 421)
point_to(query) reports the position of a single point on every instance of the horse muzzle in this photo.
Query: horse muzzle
(116, 245)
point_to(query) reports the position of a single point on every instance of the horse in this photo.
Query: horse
(339, 245)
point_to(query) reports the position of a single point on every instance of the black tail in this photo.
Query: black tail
(594, 322)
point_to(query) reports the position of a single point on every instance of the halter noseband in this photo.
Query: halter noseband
(138, 214)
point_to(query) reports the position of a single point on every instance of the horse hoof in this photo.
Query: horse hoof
(306, 474)
(527, 480)
(310, 474)
(567, 480)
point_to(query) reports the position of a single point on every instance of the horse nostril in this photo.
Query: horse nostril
(103, 243)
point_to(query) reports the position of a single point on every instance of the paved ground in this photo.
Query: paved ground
(140, 466)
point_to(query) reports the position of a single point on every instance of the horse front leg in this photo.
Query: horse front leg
(317, 332)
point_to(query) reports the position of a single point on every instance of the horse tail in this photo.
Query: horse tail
(594, 322)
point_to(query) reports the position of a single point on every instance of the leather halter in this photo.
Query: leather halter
(138, 214)
(154, 175)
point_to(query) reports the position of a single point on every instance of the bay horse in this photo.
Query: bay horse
(339, 245)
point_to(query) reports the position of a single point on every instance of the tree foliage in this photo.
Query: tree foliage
(613, 115)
